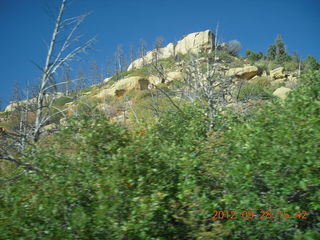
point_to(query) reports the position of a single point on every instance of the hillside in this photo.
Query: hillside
(171, 67)
(192, 141)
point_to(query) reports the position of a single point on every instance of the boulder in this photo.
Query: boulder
(106, 80)
(292, 78)
(174, 76)
(154, 80)
(124, 85)
(277, 73)
(50, 127)
(246, 72)
(281, 92)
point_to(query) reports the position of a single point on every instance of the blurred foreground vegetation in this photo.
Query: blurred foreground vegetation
(164, 180)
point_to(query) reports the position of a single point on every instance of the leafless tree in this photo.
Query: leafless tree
(94, 73)
(64, 47)
(157, 68)
(81, 80)
(208, 86)
(118, 56)
(142, 50)
(131, 53)
(66, 77)
(157, 45)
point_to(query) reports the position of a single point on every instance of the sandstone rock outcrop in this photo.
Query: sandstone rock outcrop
(277, 73)
(106, 80)
(195, 43)
(124, 85)
(50, 127)
(169, 77)
(15, 104)
(246, 72)
(281, 92)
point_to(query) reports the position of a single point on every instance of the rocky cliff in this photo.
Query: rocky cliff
(195, 43)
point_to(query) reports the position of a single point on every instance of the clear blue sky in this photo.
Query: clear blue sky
(26, 27)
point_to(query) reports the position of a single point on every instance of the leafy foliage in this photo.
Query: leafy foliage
(311, 64)
(277, 51)
(253, 56)
(162, 181)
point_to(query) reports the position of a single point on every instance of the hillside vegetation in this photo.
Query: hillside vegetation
(164, 162)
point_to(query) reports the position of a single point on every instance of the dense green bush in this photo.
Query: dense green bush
(272, 163)
(311, 64)
(164, 180)
(253, 56)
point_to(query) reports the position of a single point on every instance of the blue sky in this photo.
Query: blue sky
(26, 28)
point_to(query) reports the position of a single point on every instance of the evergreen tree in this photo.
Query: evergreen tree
(281, 53)
(311, 63)
(277, 51)
(272, 52)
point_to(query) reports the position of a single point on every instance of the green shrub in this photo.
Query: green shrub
(60, 102)
(253, 56)
(267, 65)
(311, 64)
(272, 163)
(164, 180)
(255, 89)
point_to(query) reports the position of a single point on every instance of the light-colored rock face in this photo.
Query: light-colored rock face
(194, 43)
(105, 93)
(151, 56)
(50, 127)
(174, 76)
(11, 107)
(246, 72)
(15, 104)
(106, 80)
(277, 73)
(124, 85)
(281, 92)
(170, 76)
(154, 80)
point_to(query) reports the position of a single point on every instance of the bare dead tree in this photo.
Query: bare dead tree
(82, 81)
(131, 53)
(142, 50)
(109, 67)
(60, 52)
(208, 86)
(66, 77)
(118, 56)
(94, 73)
(157, 45)
(36, 112)
(157, 68)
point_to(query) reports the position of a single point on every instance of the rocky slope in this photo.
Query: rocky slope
(143, 75)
